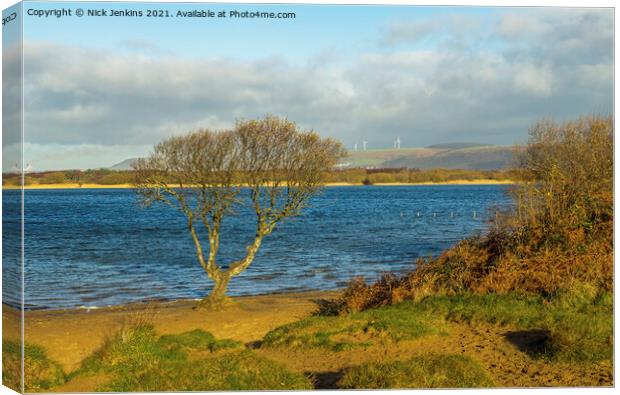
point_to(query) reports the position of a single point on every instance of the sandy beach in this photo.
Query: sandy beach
(71, 335)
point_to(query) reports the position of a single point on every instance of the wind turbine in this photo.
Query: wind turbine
(18, 169)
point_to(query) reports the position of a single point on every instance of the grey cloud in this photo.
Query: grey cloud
(567, 36)
(11, 94)
(11, 106)
(77, 95)
(86, 98)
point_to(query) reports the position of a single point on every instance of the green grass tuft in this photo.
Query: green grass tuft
(428, 371)
(129, 351)
(197, 340)
(41, 373)
(229, 372)
(137, 359)
(355, 330)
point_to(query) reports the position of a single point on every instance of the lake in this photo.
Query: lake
(98, 247)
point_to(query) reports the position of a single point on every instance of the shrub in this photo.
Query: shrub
(559, 234)
(568, 170)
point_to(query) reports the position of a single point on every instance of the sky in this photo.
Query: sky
(99, 90)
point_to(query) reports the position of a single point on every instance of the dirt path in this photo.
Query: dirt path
(508, 357)
(505, 355)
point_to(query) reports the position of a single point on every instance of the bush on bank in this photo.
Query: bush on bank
(558, 236)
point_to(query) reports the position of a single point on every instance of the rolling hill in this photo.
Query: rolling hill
(469, 156)
(124, 165)
(447, 156)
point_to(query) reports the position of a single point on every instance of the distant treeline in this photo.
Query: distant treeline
(100, 176)
(404, 175)
(351, 176)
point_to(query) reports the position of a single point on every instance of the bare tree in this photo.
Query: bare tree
(206, 174)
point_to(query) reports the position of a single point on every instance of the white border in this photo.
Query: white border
(507, 3)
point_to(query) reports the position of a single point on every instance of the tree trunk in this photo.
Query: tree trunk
(217, 299)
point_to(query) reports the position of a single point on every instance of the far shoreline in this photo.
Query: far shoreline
(330, 184)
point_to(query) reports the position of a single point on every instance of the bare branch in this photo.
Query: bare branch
(204, 174)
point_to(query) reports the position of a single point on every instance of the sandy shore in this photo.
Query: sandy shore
(70, 186)
(331, 184)
(71, 335)
(453, 182)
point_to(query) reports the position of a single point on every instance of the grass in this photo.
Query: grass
(137, 359)
(428, 371)
(579, 322)
(354, 330)
(578, 327)
(41, 373)
(197, 340)
(235, 371)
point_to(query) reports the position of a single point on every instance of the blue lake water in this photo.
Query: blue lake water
(98, 247)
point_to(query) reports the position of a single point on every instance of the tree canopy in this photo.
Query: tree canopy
(204, 173)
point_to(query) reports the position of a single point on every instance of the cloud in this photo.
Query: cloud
(516, 25)
(533, 81)
(135, 99)
(147, 47)
(452, 30)
(11, 96)
(490, 87)
(562, 35)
